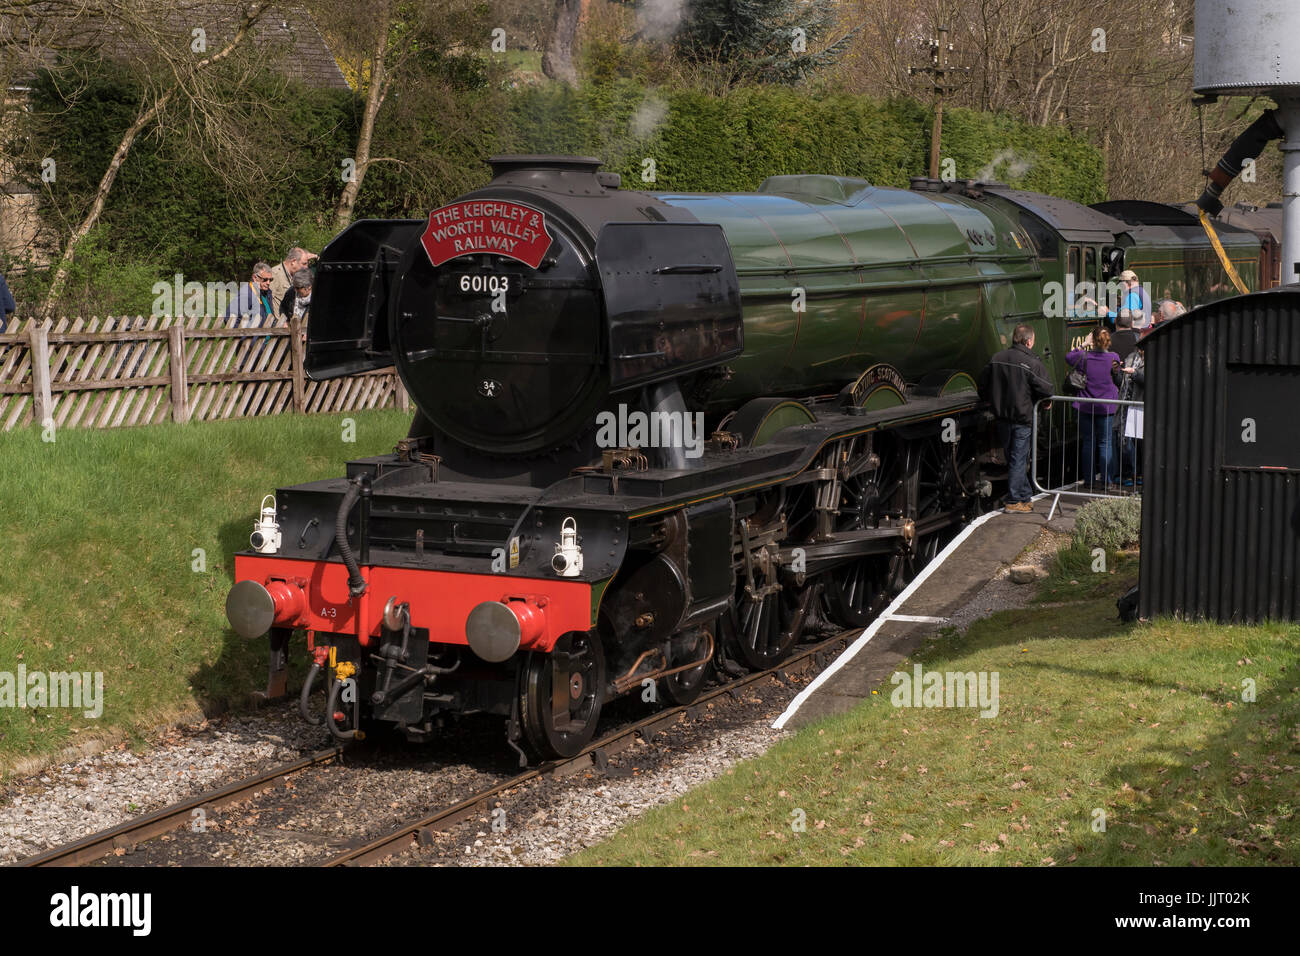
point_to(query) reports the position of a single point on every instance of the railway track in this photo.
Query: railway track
(151, 825)
(419, 831)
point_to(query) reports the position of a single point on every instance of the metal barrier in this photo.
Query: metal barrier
(1074, 443)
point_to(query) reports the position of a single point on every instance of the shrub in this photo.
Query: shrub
(1110, 523)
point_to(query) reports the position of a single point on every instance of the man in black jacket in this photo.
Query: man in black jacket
(1012, 381)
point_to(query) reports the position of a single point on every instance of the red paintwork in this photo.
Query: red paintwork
(531, 615)
(290, 602)
(439, 600)
(498, 226)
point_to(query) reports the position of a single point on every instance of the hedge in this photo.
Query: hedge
(731, 142)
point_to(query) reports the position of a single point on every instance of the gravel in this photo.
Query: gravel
(1001, 593)
(541, 825)
(66, 802)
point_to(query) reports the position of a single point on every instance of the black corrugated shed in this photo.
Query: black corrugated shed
(1221, 496)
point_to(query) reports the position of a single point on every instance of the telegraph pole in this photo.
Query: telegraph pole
(938, 68)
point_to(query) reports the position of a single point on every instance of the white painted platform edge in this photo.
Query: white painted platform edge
(885, 616)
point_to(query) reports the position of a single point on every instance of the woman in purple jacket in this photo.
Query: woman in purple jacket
(1101, 367)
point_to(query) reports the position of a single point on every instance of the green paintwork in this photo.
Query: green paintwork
(961, 382)
(881, 397)
(597, 595)
(1194, 276)
(889, 275)
(919, 280)
(778, 417)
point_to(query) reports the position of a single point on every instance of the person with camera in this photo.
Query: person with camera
(1100, 368)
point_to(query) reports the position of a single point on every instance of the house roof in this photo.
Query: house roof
(285, 38)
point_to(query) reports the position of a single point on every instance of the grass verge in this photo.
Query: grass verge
(1112, 744)
(119, 551)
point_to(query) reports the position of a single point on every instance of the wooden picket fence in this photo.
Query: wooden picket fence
(139, 371)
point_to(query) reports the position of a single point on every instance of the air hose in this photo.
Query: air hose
(356, 583)
(308, 685)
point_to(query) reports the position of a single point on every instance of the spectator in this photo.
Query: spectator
(1133, 389)
(282, 275)
(1167, 309)
(297, 301)
(1135, 298)
(1012, 381)
(1101, 367)
(1125, 340)
(252, 307)
(7, 304)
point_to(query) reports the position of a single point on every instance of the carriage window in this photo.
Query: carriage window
(1112, 261)
(1090, 263)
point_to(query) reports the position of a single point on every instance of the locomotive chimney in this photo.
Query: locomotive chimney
(1247, 48)
(572, 175)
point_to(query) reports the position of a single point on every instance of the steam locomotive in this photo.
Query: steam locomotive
(658, 434)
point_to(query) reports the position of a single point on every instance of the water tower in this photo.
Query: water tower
(1221, 499)
(1249, 48)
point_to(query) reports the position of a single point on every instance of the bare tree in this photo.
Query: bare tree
(1115, 71)
(404, 51)
(141, 28)
(378, 81)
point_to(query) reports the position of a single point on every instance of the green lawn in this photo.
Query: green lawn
(523, 61)
(101, 530)
(1142, 727)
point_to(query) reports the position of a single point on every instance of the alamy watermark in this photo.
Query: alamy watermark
(632, 428)
(946, 689)
(192, 299)
(77, 909)
(77, 690)
(1070, 298)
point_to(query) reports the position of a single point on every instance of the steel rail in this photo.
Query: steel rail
(419, 832)
(139, 829)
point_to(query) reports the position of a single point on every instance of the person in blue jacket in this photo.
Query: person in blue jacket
(7, 304)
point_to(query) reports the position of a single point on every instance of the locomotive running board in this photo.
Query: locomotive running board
(788, 455)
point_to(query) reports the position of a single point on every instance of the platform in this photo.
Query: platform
(946, 586)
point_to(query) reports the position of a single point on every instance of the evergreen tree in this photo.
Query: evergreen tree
(768, 41)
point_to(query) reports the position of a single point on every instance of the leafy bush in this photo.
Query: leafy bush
(1110, 523)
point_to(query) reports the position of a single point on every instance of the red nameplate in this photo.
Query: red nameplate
(486, 225)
